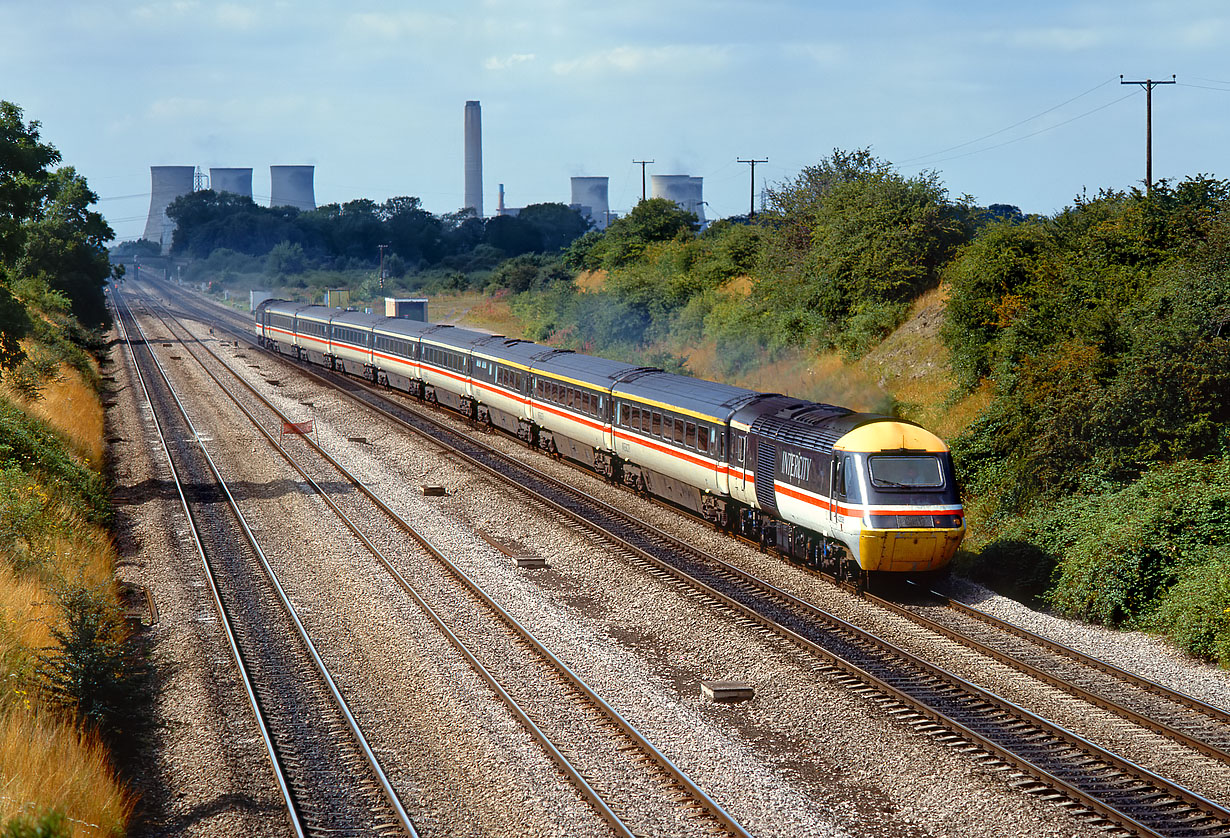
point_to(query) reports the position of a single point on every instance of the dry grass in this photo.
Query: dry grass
(46, 764)
(70, 406)
(493, 314)
(27, 612)
(588, 282)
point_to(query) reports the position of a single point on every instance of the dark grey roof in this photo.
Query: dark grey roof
(358, 318)
(403, 328)
(708, 398)
(520, 352)
(595, 372)
(454, 336)
(322, 313)
(286, 307)
(807, 424)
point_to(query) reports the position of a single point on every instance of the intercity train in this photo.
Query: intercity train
(855, 494)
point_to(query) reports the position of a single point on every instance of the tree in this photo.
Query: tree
(654, 220)
(65, 246)
(14, 325)
(24, 163)
(557, 224)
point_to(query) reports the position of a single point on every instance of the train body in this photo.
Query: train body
(837, 489)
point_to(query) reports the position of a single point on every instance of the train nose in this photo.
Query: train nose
(908, 551)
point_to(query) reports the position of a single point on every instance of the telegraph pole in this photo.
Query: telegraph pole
(751, 205)
(383, 248)
(1148, 85)
(642, 163)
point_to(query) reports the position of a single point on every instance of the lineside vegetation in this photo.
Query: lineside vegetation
(71, 679)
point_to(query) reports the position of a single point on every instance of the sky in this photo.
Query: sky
(1013, 103)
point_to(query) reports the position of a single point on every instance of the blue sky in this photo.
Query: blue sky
(372, 93)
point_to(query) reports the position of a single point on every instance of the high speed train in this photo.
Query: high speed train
(852, 493)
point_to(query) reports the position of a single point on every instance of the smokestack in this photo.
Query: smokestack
(291, 186)
(592, 192)
(238, 181)
(166, 184)
(474, 157)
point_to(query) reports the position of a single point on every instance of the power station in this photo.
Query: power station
(237, 181)
(684, 190)
(166, 184)
(292, 186)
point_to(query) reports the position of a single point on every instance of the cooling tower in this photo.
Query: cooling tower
(238, 181)
(474, 157)
(291, 186)
(684, 190)
(592, 192)
(166, 184)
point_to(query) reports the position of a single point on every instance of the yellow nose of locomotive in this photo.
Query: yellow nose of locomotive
(908, 551)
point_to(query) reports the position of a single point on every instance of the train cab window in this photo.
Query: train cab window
(905, 472)
(679, 431)
(689, 435)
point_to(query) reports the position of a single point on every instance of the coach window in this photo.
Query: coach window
(635, 421)
(702, 439)
(689, 437)
(679, 431)
(655, 423)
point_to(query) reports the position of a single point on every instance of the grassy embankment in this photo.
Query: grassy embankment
(58, 612)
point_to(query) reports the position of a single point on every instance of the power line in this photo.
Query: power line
(1009, 128)
(1035, 133)
(1148, 85)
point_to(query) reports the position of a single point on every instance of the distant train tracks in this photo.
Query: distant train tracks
(328, 775)
(617, 769)
(1048, 760)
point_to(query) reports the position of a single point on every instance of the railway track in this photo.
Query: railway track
(1173, 714)
(1051, 761)
(327, 774)
(607, 759)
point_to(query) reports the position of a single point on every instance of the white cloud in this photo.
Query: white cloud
(628, 60)
(495, 62)
(399, 25)
(1056, 38)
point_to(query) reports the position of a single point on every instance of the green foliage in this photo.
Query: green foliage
(530, 272)
(1102, 330)
(46, 825)
(96, 668)
(626, 238)
(851, 240)
(14, 325)
(286, 258)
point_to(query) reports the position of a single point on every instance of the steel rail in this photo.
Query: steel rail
(326, 677)
(224, 620)
(728, 822)
(1090, 695)
(1195, 801)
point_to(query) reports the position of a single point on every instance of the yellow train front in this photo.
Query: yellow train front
(845, 491)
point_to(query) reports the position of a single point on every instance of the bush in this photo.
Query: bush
(97, 669)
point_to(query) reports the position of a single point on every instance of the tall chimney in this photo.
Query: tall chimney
(474, 157)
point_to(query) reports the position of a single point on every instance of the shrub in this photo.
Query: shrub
(97, 669)
(47, 825)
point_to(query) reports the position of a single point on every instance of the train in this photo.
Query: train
(863, 496)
